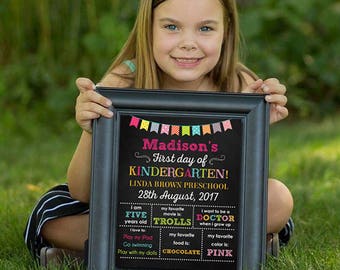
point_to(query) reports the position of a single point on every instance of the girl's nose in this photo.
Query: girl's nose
(188, 46)
(188, 42)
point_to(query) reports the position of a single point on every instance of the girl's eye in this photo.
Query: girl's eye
(205, 29)
(171, 27)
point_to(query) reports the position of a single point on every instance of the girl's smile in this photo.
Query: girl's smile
(187, 41)
(187, 62)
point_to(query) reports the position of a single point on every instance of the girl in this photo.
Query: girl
(175, 44)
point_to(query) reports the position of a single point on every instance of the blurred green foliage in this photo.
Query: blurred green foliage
(299, 43)
(45, 45)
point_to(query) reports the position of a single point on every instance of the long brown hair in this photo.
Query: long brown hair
(227, 75)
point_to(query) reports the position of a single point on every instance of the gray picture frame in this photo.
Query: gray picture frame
(251, 109)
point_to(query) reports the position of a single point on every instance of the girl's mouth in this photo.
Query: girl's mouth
(187, 62)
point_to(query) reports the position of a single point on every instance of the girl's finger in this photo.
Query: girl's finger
(278, 99)
(85, 84)
(273, 87)
(92, 96)
(253, 87)
(95, 108)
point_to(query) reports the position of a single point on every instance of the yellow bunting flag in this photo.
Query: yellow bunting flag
(145, 125)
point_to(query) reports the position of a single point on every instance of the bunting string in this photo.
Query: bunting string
(180, 130)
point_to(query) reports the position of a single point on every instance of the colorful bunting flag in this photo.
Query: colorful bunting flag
(185, 130)
(178, 129)
(226, 125)
(154, 127)
(174, 130)
(145, 125)
(217, 127)
(206, 129)
(165, 129)
(134, 121)
(196, 130)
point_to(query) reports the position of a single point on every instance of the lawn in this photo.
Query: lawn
(303, 154)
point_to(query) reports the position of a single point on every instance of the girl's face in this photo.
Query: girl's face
(187, 41)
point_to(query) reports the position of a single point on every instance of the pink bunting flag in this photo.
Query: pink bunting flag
(165, 129)
(134, 121)
(227, 125)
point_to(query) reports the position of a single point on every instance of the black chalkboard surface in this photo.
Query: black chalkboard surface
(179, 181)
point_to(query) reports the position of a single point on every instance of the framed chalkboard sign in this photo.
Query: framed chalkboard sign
(179, 181)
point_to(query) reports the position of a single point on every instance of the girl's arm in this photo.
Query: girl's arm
(79, 170)
(90, 105)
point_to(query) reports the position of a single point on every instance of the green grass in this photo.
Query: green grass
(304, 154)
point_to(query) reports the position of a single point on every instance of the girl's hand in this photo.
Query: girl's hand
(275, 96)
(90, 104)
